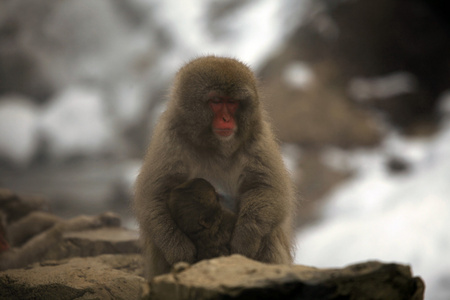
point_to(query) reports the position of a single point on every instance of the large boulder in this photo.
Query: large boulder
(237, 277)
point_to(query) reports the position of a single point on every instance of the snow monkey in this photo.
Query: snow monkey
(39, 236)
(215, 128)
(195, 207)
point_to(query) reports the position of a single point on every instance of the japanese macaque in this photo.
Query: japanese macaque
(13, 208)
(215, 128)
(195, 207)
(29, 239)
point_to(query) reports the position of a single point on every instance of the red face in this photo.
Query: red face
(224, 108)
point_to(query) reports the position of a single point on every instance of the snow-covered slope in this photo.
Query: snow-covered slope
(401, 217)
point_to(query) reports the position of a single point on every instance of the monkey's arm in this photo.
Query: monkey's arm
(157, 225)
(32, 251)
(25, 228)
(36, 248)
(264, 204)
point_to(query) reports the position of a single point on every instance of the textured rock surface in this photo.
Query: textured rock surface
(236, 277)
(107, 240)
(101, 277)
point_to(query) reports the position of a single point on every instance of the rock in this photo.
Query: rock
(237, 277)
(106, 240)
(317, 117)
(315, 179)
(101, 277)
(370, 48)
(396, 164)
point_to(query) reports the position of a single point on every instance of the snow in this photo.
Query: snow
(126, 111)
(383, 87)
(75, 123)
(379, 215)
(298, 75)
(291, 155)
(18, 134)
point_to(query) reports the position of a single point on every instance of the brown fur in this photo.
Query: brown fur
(247, 168)
(195, 207)
(39, 232)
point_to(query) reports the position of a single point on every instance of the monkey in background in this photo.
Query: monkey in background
(13, 208)
(215, 128)
(195, 207)
(28, 239)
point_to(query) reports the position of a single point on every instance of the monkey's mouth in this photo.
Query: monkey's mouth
(224, 132)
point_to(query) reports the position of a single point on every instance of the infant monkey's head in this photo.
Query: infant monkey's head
(194, 205)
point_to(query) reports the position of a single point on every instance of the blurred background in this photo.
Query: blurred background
(358, 92)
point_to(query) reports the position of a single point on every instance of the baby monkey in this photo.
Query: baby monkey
(195, 207)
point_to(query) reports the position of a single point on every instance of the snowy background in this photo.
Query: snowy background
(83, 82)
(394, 218)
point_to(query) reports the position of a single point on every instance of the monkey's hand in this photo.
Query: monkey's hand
(246, 240)
(179, 248)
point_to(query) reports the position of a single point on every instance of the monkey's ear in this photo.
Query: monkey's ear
(205, 222)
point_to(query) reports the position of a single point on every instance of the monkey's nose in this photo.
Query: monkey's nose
(226, 117)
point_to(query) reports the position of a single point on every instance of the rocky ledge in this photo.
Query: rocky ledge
(93, 257)
(119, 276)
(236, 277)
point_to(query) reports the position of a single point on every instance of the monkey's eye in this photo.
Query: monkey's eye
(232, 105)
(215, 100)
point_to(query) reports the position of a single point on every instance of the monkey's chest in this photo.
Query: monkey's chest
(227, 201)
(224, 181)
